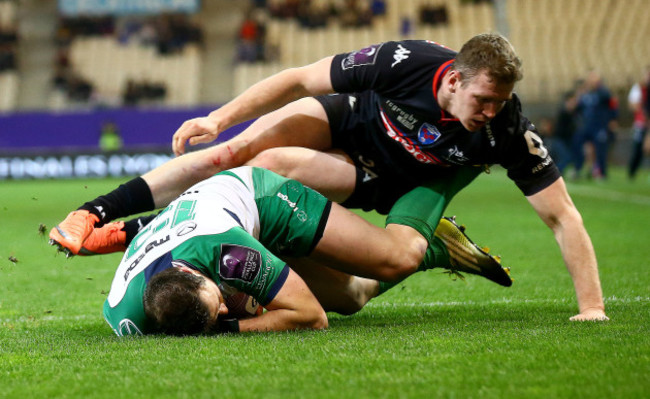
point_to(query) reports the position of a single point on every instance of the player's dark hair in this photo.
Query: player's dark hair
(172, 302)
(490, 52)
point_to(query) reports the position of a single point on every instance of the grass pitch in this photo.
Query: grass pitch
(429, 337)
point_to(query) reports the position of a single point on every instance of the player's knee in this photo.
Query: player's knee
(406, 253)
(351, 303)
(275, 159)
(404, 262)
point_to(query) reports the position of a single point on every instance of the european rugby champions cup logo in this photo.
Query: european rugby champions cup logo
(365, 56)
(428, 134)
(239, 263)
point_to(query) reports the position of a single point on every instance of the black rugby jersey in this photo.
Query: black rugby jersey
(395, 85)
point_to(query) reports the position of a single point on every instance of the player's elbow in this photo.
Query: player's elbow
(316, 319)
(321, 322)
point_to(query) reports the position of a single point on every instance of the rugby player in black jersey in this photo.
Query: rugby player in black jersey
(399, 127)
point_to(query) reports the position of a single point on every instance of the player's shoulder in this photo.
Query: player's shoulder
(420, 48)
(124, 322)
(404, 59)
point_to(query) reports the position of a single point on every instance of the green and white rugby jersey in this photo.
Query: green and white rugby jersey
(228, 227)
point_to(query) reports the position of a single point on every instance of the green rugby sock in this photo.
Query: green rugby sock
(436, 256)
(422, 208)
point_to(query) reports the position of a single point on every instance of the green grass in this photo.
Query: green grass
(429, 337)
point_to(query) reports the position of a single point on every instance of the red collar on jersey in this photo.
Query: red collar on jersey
(437, 81)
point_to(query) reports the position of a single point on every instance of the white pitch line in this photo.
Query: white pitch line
(611, 195)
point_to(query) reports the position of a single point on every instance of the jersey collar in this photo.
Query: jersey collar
(437, 81)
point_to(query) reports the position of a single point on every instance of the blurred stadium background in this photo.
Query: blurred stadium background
(97, 88)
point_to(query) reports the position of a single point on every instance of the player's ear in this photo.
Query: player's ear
(454, 80)
(186, 269)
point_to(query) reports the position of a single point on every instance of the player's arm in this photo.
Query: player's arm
(263, 97)
(555, 208)
(293, 307)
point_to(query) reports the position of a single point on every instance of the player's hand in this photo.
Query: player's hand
(195, 131)
(591, 314)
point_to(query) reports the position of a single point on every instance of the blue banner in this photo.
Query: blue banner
(41, 145)
(47, 132)
(73, 8)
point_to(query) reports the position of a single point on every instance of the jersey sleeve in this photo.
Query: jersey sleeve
(524, 155)
(380, 67)
(238, 259)
(395, 69)
(127, 317)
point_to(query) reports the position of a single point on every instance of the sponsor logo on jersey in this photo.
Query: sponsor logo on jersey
(456, 155)
(365, 56)
(352, 100)
(149, 247)
(127, 327)
(400, 55)
(185, 228)
(408, 120)
(488, 131)
(428, 134)
(408, 144)
(541, 165)
(239, 263)
(300, 214)
(535, 144)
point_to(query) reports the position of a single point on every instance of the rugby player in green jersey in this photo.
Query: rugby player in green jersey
(228, 234)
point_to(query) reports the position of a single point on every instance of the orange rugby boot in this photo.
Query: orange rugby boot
(105, 240)
(70, 234)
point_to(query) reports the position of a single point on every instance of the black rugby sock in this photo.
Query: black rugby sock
(128, 199)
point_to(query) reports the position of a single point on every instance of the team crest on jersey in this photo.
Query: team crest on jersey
(428, 134)
(239, 263)
(365, 56)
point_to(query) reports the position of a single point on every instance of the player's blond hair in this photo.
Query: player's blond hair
(490, 52)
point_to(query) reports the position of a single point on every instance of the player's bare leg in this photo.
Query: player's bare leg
(336, 291)
(302, 123)
(330, 173)
(353, 245)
